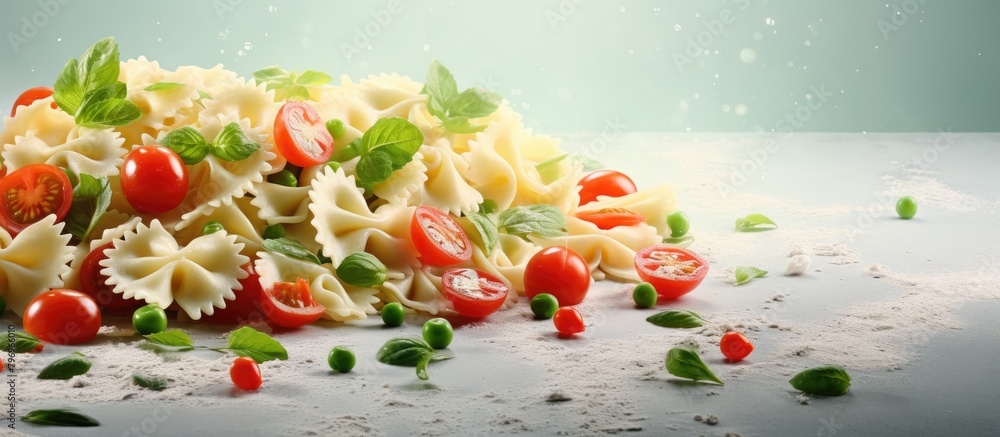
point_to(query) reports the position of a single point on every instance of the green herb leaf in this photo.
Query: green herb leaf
(312, 78)
(171, 338)
(91, 198)
(188, 143)
(684, 362)
(588, 163)
(362, 269)
(454, 109)
(441, 89)
(410, 352)
(232, 144)
(486, 234)
(461, 125)
(549, 169)
(676, 319)
(59, 417)
(746, 274)
(68, 91)
(66, 367)
(289, 84)
(824, 381)
(98, 114)
(97, 67)
(474, 103)
(386, 147)
(203, 95)
(350, 151)
(151, 382)
(249, 342)
(23, 342)
(163, 86)
(542, 220)
(755, 222)
(290, 248)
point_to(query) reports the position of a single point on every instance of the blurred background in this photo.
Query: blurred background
(577, 66)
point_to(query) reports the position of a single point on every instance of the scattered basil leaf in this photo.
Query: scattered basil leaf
(549, 170)
(171, 338)
(541, 220)
(461, 126)
(89, 89)
(163, 86)
(59, 417)
(676, 319)
(455, 109)
(746, 274)
(232, 144)
(151, 382)
(486, 234)
(474, 103)
(108, 113)
(588, 163)
(23, 342)
(684, 362)
(362, 269)
(489, 206)
(188, 143)
(66, 367)
(249, 342)
(204, 96)
(386, 147)
(755, 222)
(290, 248)
(91, 198)
(410, 352)
(824, 381)
(289, 84)
(441, 87)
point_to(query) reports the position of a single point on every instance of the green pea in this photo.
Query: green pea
(644, 295)
(906, 207)
(341, 359)
(438, 333)
(284, 177)
(212, 227)
(489, 206)
(544, 306)
(678, 223)
(3, 305)
(336, 128)
(149, 319)
(274, 232)
(393, 314)
(334, 165)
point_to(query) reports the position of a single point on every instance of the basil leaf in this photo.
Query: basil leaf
(203, 95)
(108, 113)
(588, 163)
(96, 68)
(150, 382)
(171, 338)
(395, 133)
(755, 222)
(249, 342)
(486, 234)
(373, 168)
(271, 73)
(410, 351)
(232, 144)
(362, 269)
(350, 151)
(290, 248)
(825, 381)
(676, 319)
(474, 103)
(68, 92)
(746, 274)
(91, 198)
(542, 220)
(66, 367)
(288, 84)
(684, 362)
(549, 169)
(23, 342)
(313, 78)
(163, 86)
(188, 143)
(460, 125)
(59, 417)
(440, 88)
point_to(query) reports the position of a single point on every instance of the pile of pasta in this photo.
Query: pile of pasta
(165, 259)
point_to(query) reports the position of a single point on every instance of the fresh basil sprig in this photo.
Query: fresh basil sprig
(548, 170)
(455, 109)
(59, 417)
(245, 342)
(289, 84)
(362, 269)
(163, 86)
(410, 352)
(755, 223)
(290, 248)
(91, 198)
(66, 367)
(23, 342)
(824, 380)
(89, 89)
(676, 319)
(684, 362)
(746, 274)
(541, 219)
(174, 338)
(486, 234)
(586, 161)
(151, 382)
(384, 148)
(231, 144)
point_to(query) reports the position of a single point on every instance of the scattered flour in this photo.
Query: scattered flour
(798, 265)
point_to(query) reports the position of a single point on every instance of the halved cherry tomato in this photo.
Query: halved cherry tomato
(96, 285)
(246, 305)
(32, 192)
(301, 135)
(474, 293)
(604, 183)
(568, 321)
(673, 271)
(62, 316)
(438, 237)
(290, 305)
(154, 179)
(559, 271)
(28, 97)
(609, 218)
(245, 373)
(735, 346)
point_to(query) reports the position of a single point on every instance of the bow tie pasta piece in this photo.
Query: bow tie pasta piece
(96, 152)
(653, 203)
(150, 265)
(399, 188)
(164, 109)
(50, 126)
(434, 178)
(490, 174)
(278, 204)
(417, 289)
(347, 104)
(608, 251)
(237, 101)
(507, 260)
(32, 262)
(238, 218)
(112, 226)
(341, 302)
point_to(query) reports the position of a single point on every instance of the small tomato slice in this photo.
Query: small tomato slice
(568, 321)
(735, 346)
(32, 192)
(96, 286)
(301, 135)
(246, 307)
(609, 218)
(29, 96)
(438, 237)
(474, 293)
(290, 304)
(604, 183)
(245, 374)
(673, 271)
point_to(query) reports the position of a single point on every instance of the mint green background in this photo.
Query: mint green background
(573, 67)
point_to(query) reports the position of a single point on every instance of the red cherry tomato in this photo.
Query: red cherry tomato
(301, 135)
(245, 307)
(673, 271)
(245, 373)
(735, 346)
(290, 305)
(32, 192)
(96, 285)
(568, 321)
(559, 271)
(474, 293)
(63, 317)
(604, 183)
(28, 97)
(438, 237)
(609, 218)
(154, 179)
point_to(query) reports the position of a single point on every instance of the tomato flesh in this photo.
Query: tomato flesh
(62, 316)
(301, 135)
(247, 305)
(438, 237)
(30, 95)
(32, 192)
(673, 271)
(604, 183)
(735, 346)
(609, 218)
(96, 286)
(154, 179)
(559, 271)
(474, 293)
(290, 304)
(568, 321)
(245, 374)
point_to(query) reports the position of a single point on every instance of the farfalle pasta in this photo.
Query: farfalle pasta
(32, 262)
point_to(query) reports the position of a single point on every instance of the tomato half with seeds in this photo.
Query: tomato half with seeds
(30, 193)
(301, 135)
(246, 307)
(438, 237)
(609, 218)
(673, 271)
(474, 293)
(604, 183)
(30, 95)
(96, 285)
(290, 304)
